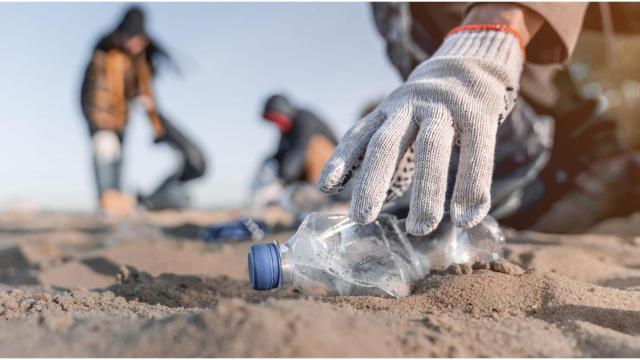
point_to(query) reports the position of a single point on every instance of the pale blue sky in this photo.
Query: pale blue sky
(328, 57)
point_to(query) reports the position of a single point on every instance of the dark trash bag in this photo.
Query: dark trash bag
(172, 194)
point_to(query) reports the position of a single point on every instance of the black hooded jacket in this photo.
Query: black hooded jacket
(294, 150)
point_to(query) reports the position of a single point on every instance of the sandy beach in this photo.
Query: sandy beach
(79, 285)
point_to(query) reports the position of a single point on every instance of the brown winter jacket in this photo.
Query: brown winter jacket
(112, 79)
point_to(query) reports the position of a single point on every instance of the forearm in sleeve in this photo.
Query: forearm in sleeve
(555, 41)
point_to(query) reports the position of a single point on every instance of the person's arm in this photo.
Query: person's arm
(148, 100)
(459, 95)
(292, 162)
(526, 22)
(551, 41)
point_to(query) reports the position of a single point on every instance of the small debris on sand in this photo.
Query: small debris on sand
(506, 267)
(454, 269)
(466, 268)
(480, 265)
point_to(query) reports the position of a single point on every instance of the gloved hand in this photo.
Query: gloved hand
(461, 94)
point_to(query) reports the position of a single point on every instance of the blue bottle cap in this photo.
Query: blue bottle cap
(264, 266)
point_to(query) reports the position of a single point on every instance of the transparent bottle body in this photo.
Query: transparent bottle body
(332, 255)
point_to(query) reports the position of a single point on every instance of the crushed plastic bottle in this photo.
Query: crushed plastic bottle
(333, 255)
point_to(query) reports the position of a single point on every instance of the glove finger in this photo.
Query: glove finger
(348, 155)
(403, 176)
(386, 146)
(472, 192)
(433, 152)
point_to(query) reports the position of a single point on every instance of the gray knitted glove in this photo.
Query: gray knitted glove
(462, 93)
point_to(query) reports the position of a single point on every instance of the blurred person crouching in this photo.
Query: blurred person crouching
(288, 178)
(122, 68)
(306, 142)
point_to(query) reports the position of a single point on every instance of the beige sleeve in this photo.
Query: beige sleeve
(557, 38)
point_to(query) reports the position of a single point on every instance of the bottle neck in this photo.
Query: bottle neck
(286, 267)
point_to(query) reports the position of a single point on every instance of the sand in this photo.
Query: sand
(79, 285)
